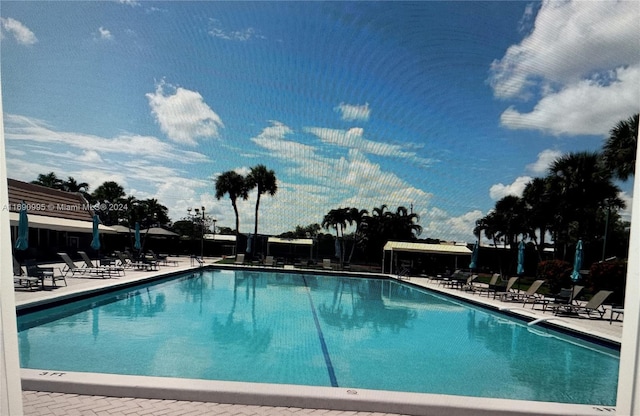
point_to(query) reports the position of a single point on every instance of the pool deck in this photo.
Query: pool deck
(40, 398)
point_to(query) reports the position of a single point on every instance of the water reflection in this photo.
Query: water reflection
(357, 303)
(545, 362)
(236, 332)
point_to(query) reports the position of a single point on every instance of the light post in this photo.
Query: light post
(196, 217)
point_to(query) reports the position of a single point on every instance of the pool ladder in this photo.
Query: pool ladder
(197, 259)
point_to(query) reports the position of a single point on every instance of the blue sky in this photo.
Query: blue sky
(443, 106)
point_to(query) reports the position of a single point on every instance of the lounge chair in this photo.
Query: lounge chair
(530, 294)
(270, 261)
(468, 286)
(326, 264)
(593, 306)
(507, 289)
(70, 267)
(125, 261)
(108, 269)
(41, 273)
(239, 259)
(491, 287)
(22, 279)
(566, 296)
(162, 258)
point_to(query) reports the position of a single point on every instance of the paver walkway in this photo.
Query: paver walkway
(58, 404)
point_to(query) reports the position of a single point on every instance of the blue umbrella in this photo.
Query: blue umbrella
(521, 258)
(137, 244)
(95, 243)
(22, 242)
(474, 257)
(249, 243)
(577, 262)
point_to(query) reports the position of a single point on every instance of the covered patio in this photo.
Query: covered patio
(447, 249)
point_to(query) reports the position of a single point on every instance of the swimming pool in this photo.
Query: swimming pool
(319, 331)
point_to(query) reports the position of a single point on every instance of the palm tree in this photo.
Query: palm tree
(583, 187)
(539, 210)
(619, 150)
(50, 180)
(404, 225)
(233, 184)
(358, 217)
(338, 220)
(265, 181)
(109, 193)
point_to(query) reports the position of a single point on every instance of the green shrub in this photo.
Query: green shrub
(556, 273)
(609, 275)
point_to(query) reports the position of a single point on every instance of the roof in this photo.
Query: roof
(426, 248)
(59, 224)
(297, 241)
(220, 237)
(48, 202)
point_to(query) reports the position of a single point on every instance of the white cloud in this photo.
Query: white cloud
(241, 35)
(545, 158)
(354, 139)
(19, 31)
(499, 191)
(441, 225)
(183, 116)
(27, 129)
(90, 156)
(354, 112)
(582, 59)
(104, 34)
(585, 107)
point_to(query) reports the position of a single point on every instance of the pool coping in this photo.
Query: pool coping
(286, 395)
(244, 393)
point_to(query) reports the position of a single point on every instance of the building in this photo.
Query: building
(59, 221)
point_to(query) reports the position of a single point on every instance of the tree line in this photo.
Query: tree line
(111, 203)
(576, 200)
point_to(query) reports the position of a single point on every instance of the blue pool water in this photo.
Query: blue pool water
(316, 330)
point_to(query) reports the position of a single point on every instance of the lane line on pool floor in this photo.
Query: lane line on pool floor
(323, 344)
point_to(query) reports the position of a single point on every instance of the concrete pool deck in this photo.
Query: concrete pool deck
(88, 394)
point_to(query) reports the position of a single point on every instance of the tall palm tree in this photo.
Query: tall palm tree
(264, 180)
(619, 150)
(233, 184)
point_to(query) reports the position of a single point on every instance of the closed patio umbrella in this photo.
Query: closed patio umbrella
(136, 243)
(577, 262)
(520, 258)
(474, 257)
(22, 242)
(95, 242)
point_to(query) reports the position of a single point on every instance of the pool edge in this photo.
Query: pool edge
(283, 395)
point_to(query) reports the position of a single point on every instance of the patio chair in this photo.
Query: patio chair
(41, 273)
(239, 259)
(507, 289)
(566, 296)
(162, 258)
(270, 261)
(21, 279)
(593, 306)
(70, 267)
(530, 294)
(108, 269)
(124, 260)
(468, 286)
(491, 287)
